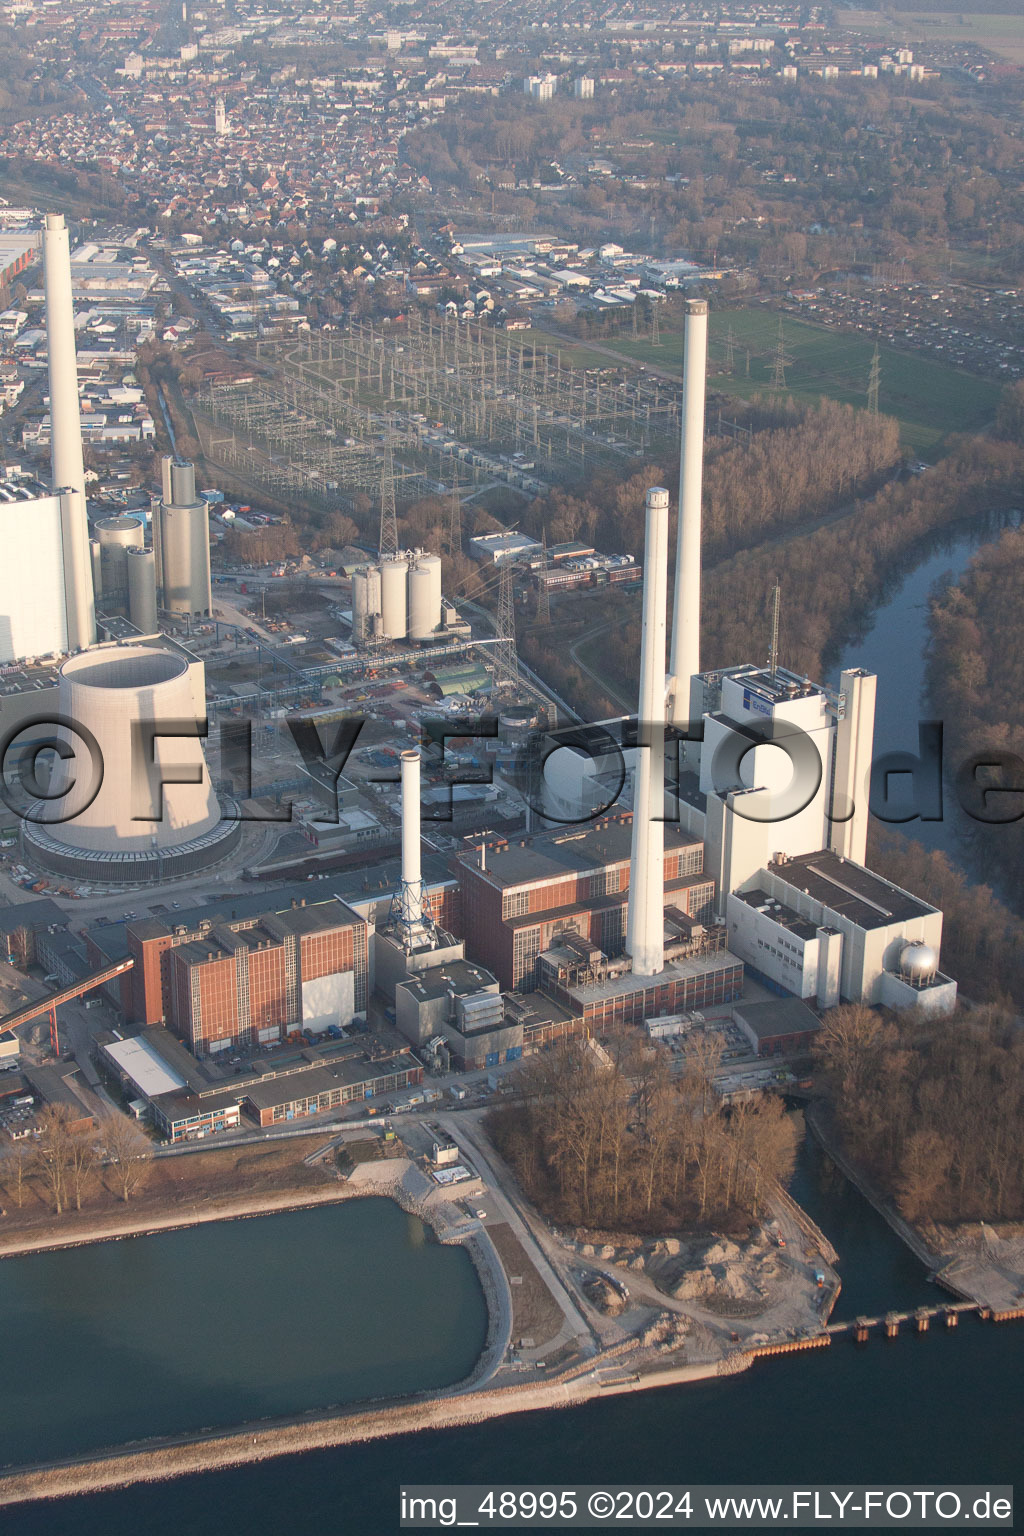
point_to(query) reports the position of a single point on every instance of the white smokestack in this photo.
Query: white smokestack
(411, 915)
(645, 932)
(685, 659)
(66, 434)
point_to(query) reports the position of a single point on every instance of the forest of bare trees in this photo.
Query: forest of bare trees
(932, 1109)
(976, 683)
(982, 939)
(614, 1142)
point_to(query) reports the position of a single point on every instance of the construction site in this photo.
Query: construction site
(462, 402)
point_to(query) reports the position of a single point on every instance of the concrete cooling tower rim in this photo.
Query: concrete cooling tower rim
(136, 667)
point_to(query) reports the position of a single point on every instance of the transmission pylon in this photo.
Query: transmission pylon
(874, 379)
(388, 516)
(779, 365)
(506, 657)
(455, 520)
(730, 344)
(655, 332)
(544, 597)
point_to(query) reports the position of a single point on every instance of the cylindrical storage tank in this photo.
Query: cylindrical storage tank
(394, 575)
(116, 535)
(97, 569)
(424, 597)
(184, 544)
(142, 590)
(116, 803)
(365, 602)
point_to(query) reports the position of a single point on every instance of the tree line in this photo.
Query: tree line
(932, 1109)
(976, 682)
(611, 1140)
(65, 1158)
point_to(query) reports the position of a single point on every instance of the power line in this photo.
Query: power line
(874, 379)
(779, 365)
(544, 600)
(455, 520)
(388, 515)
(506, 657)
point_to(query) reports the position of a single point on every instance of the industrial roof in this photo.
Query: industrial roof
(780, 1016)
(147, 1069)
(849, 890)
(592, 847)
(785, 916)
(459, 976)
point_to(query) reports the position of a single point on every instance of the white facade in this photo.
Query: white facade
(685, 659)
(775, 805)
(33, 619)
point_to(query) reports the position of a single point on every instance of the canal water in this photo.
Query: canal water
(229, 1321)
(932, 1409)
(893, 644)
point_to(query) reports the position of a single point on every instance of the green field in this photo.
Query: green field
(928, 398)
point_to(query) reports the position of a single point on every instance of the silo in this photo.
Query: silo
(97, 574)
(116, 535)
(394, 575)
(365, 603)
(184, 543)
(142, 590)
(424, 597)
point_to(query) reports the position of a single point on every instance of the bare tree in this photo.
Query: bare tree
(52, 1152)
(81, 1162)
(128, 1153)
(15, 1166)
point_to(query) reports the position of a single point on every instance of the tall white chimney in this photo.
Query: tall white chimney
(410, 913)
(645, 930)
(685, 659)
(68, 469)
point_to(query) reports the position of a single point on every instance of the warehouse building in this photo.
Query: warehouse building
(784, 1026)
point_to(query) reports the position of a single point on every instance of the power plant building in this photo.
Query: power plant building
(33, 614)
(239, 984)
(518, 898)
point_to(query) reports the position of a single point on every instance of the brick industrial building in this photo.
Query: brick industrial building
(243, 983)
(518, 898)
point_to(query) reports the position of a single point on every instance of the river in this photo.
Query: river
(944, 1407)
(941, 1407)
(229, 1321)
(892, 643)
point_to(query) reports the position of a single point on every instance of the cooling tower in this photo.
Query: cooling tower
(139, 803)
(394, 575)
(115, 536)
(424, 597)
(183, 544)
(142, 590)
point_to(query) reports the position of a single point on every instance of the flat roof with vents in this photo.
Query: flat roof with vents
(850, 890)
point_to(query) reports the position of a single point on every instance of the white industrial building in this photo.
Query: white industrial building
(398, 599)
(33, 614)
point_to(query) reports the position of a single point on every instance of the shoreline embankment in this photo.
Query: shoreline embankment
(189, 1454)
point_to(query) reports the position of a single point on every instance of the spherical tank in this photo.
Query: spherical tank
(918, 961)
(394, 575)
(142, 590)
(119, 696)
(115, 535)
